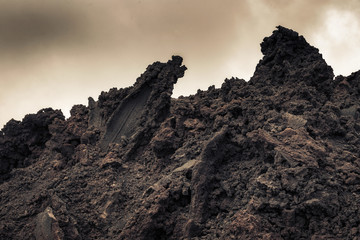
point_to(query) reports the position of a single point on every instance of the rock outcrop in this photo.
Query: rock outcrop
(22, 142)
(273, 158)
(146, 105)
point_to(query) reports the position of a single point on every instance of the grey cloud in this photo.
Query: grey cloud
(36, 24)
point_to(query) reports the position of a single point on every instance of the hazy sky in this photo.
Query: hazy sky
(58, 53)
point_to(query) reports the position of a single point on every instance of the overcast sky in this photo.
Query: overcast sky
(58, 53)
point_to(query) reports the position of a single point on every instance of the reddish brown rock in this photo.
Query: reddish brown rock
(273, 158)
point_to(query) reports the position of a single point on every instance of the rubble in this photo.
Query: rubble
(273, 158)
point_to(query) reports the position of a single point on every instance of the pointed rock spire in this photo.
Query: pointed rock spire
(288, 58)
(147, 103)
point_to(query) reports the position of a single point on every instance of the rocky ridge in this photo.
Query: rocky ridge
(273, 158)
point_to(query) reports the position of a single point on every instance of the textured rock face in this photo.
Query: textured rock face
(146, 105)
(21, 142)
(273, 158)
(289, 58)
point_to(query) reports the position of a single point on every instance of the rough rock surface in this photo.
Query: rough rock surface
(277, 157)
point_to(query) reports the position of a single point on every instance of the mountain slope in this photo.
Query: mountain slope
(273, 158)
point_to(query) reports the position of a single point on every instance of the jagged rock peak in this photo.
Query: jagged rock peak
(287, 41)
(147, 103)
(172, 70)
(289, 58)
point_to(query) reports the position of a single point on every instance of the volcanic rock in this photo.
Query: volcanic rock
(273, 158)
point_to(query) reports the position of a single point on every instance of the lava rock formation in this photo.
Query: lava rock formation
(277, 157)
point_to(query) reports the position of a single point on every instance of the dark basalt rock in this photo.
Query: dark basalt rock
(146, 105)
(273, 158)
(289, 59)
(22, 142)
